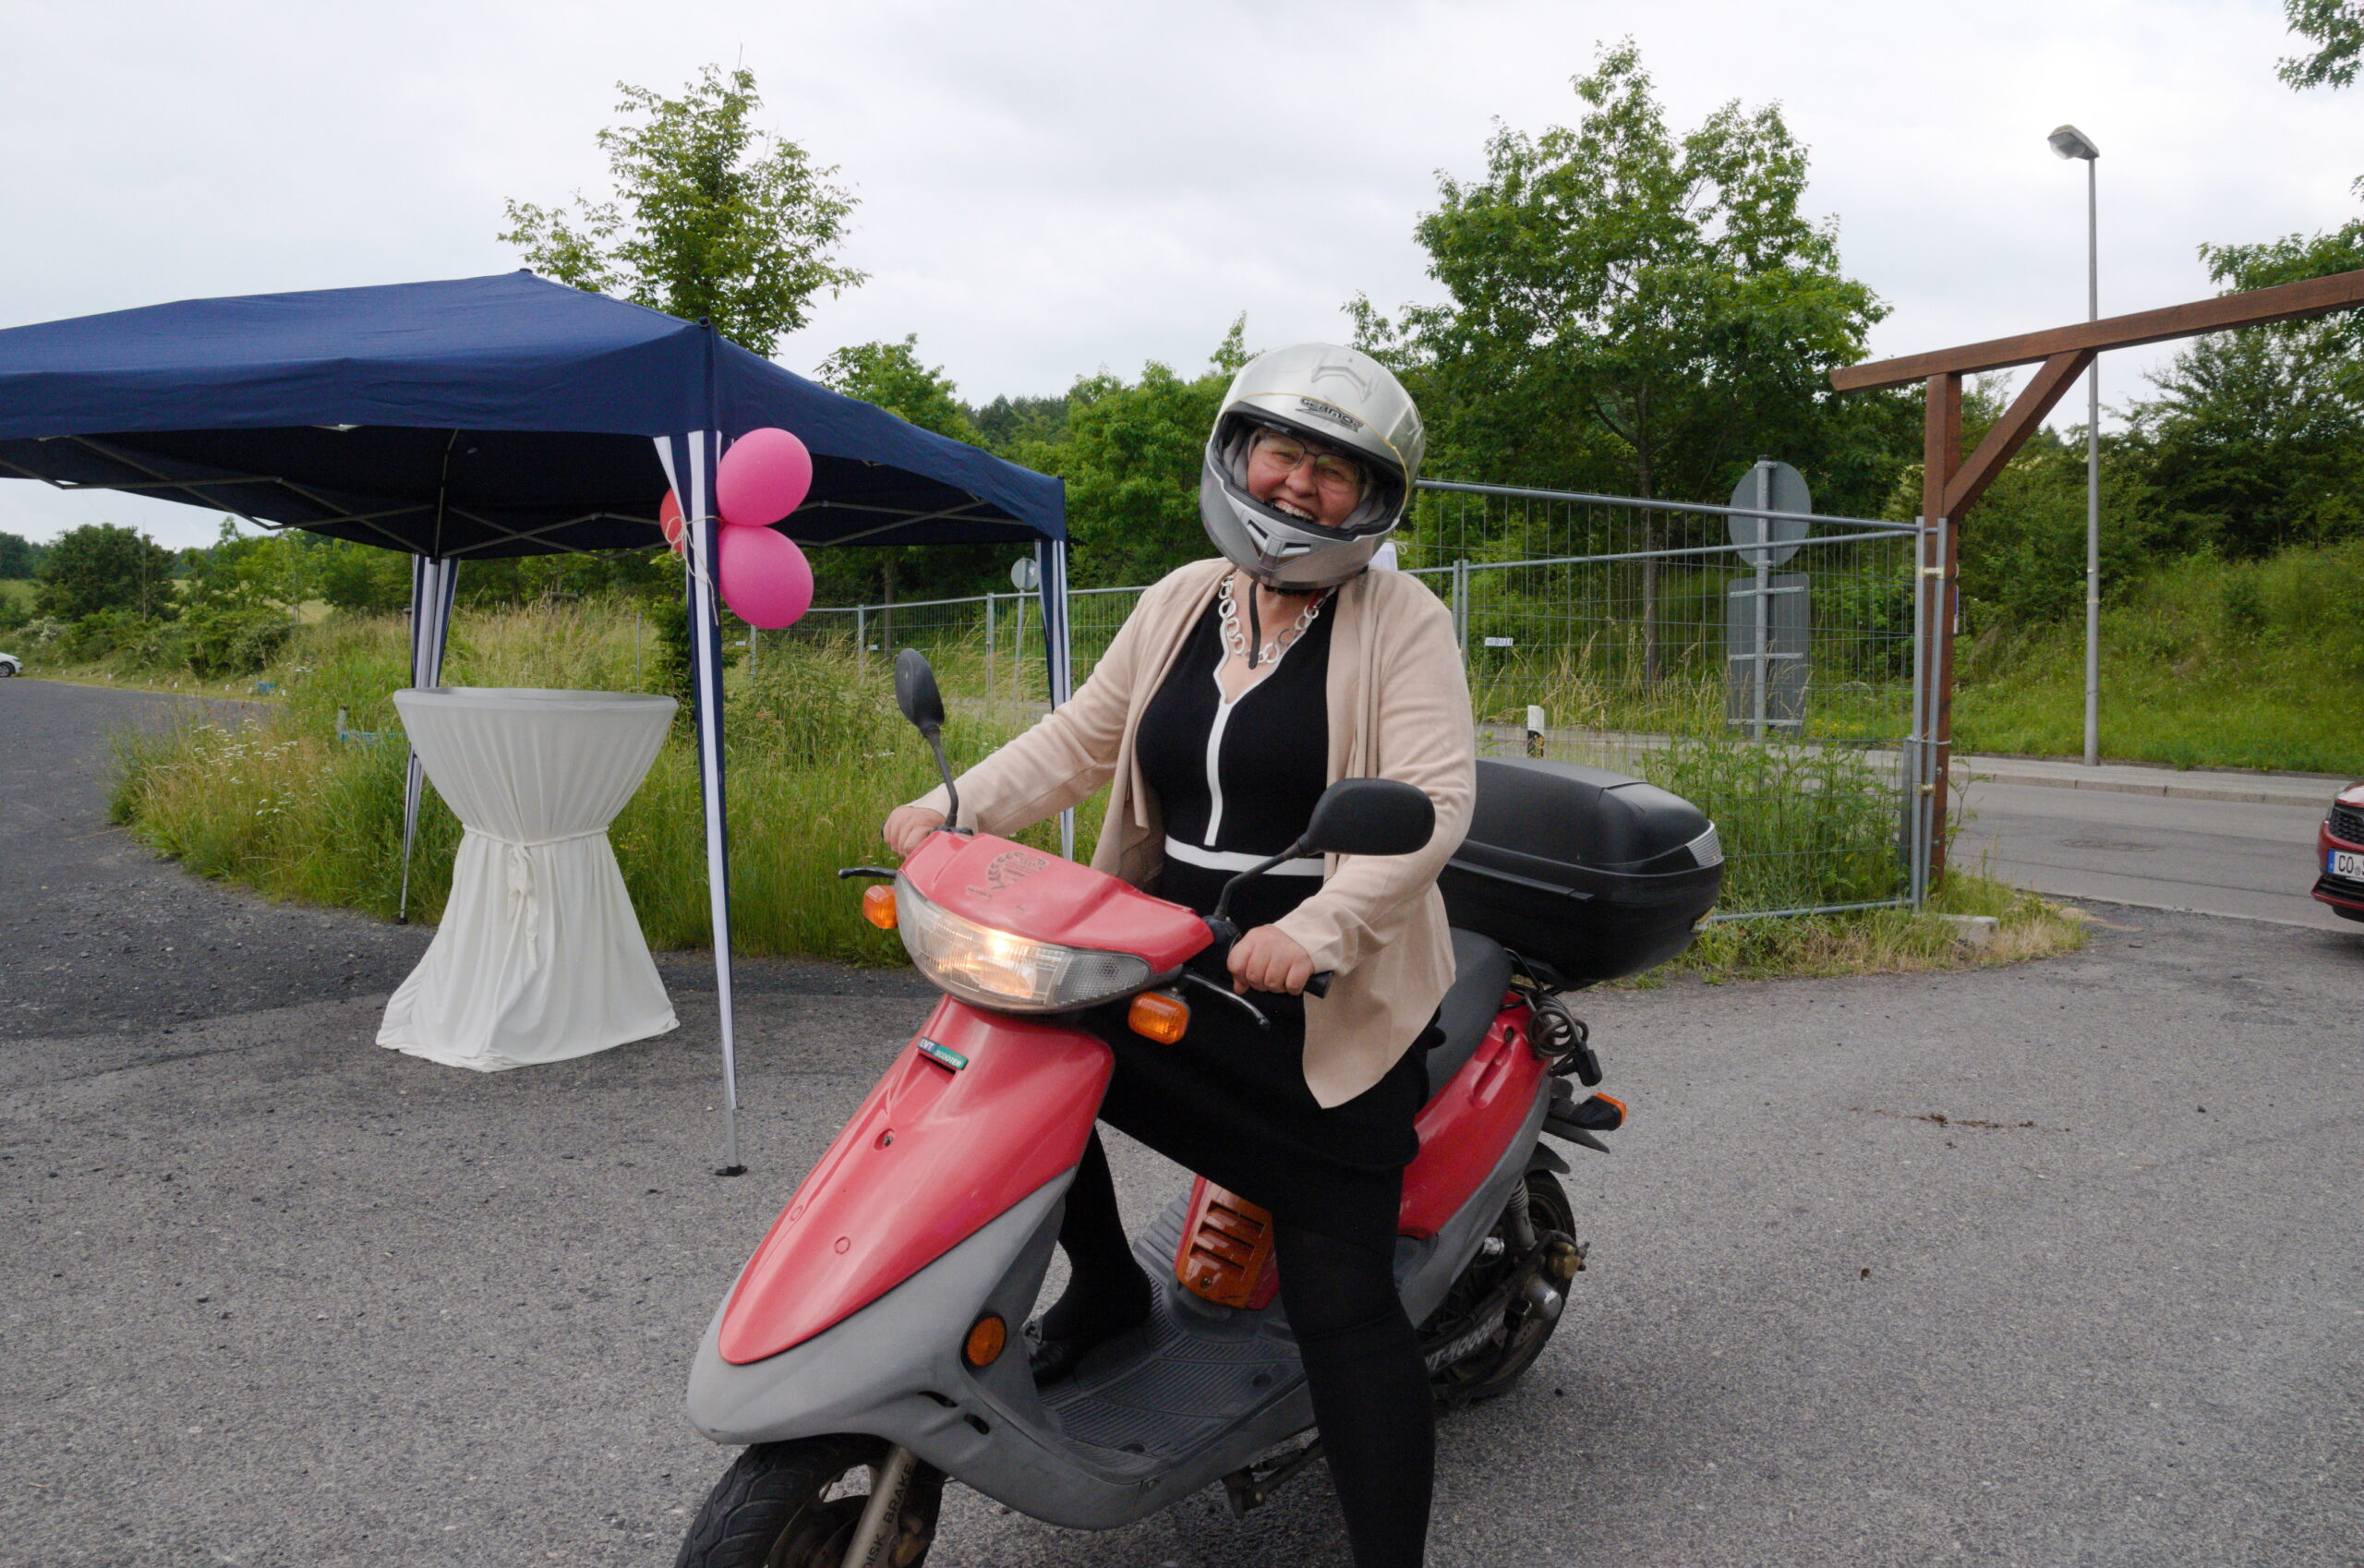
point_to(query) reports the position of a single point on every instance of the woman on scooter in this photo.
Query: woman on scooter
(1237, 690)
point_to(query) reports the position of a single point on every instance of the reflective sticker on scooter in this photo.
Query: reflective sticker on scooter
(941, 1056)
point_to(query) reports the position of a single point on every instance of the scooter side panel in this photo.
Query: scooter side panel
(934, 1154)
(1464, 1129)
(1425, 1270)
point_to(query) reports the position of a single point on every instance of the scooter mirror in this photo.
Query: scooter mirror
(1370, 816)
(915, 692)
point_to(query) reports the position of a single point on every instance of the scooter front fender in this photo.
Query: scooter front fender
(979, 1112)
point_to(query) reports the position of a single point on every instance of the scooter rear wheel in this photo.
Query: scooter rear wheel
(1496, 1335)
(787, 1505)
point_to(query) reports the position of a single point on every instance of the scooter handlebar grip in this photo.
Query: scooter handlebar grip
(1317, 986)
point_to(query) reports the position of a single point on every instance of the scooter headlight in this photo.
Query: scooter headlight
(1001, 970)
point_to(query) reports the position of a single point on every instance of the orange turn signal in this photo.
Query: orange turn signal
(878, 906)
(988, 1337)
(1155, 1015)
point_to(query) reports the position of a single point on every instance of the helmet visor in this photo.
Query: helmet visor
(1261, 454)
(1275, 455)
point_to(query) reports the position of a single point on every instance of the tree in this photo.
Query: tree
(101, 566)
(1006, 421)
(2256, 441)
(712, 218)
(18, 556)
(1621, 297)
(2336, 30)
(890, 375)
(1131, 458)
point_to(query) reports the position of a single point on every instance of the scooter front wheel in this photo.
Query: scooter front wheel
(798, 1504)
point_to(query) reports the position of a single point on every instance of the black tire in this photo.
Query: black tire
(1509, 1334)
(774, 1508)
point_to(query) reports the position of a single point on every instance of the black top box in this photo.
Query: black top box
(1586, 875)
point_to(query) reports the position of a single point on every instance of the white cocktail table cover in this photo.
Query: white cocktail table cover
(539, 956)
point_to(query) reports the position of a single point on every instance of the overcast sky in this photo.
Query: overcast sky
(1051, 188)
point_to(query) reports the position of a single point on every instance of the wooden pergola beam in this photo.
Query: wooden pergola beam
(1952, 484)
(2019, 422)
(2283, 302)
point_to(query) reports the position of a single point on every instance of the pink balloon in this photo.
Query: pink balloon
(668, 517)
(763, 478)
(764, 578)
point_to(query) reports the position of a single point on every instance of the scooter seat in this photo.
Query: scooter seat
(1481, 973)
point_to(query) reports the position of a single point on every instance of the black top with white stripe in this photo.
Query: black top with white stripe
(1236, 781)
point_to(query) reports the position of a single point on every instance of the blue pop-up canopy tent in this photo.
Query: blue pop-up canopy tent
(483, 417)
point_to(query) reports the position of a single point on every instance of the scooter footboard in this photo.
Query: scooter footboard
(976, 1113)
(895, 1370)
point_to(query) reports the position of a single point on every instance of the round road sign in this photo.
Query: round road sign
(1775, 487)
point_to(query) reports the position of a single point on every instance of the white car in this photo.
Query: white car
(11, 665)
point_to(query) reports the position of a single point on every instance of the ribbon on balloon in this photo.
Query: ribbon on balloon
(760, 572)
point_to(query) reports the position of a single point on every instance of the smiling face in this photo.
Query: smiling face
(1306, 480)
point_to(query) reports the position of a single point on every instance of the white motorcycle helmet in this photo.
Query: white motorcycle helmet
(1335, 397)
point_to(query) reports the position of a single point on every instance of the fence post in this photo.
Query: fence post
(1763, 619)
(862, 639)
(1018, 651)
(989, 645)
(1461, 607)
(1916, 746)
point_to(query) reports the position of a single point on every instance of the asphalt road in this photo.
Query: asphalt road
(2053, 1265)
(2251, 860)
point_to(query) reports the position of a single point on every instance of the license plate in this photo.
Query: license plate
(2349, 863)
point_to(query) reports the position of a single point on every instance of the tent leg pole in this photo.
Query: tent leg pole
(705, 646)
(432, 585)
(410, 834)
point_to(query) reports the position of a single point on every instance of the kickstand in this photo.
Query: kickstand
(1252, 1487)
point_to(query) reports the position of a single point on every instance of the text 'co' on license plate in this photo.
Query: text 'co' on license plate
(2349, 863)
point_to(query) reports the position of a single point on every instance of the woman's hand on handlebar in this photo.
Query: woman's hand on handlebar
(907, 827)
(1268, 959)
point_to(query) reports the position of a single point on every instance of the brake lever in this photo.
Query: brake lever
(1263, 1021)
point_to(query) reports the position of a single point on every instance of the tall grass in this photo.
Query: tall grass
(1883, 941)
(2206, 663)
(1799, 826)
(817, 757)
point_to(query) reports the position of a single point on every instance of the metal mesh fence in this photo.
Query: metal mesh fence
(1773, 688)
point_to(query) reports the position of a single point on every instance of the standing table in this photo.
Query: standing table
(539, 956)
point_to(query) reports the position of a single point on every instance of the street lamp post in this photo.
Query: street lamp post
(2071, 142)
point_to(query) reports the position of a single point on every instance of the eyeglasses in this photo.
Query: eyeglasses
(1334, 472)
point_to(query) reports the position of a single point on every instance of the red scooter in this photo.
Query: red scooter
(872, 1348)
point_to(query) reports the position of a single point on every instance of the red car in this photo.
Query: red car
(2340, 851)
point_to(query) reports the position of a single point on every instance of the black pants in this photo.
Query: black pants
(1362, 1359)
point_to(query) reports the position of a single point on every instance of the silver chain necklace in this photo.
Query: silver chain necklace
(1234, 638)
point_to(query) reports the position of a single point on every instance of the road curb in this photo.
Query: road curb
(2317, 796)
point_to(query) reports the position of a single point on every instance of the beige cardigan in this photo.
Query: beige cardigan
(1398, 707)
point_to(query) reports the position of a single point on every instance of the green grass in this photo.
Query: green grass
(817, 758)
(1881, 941)
(2206, 664)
